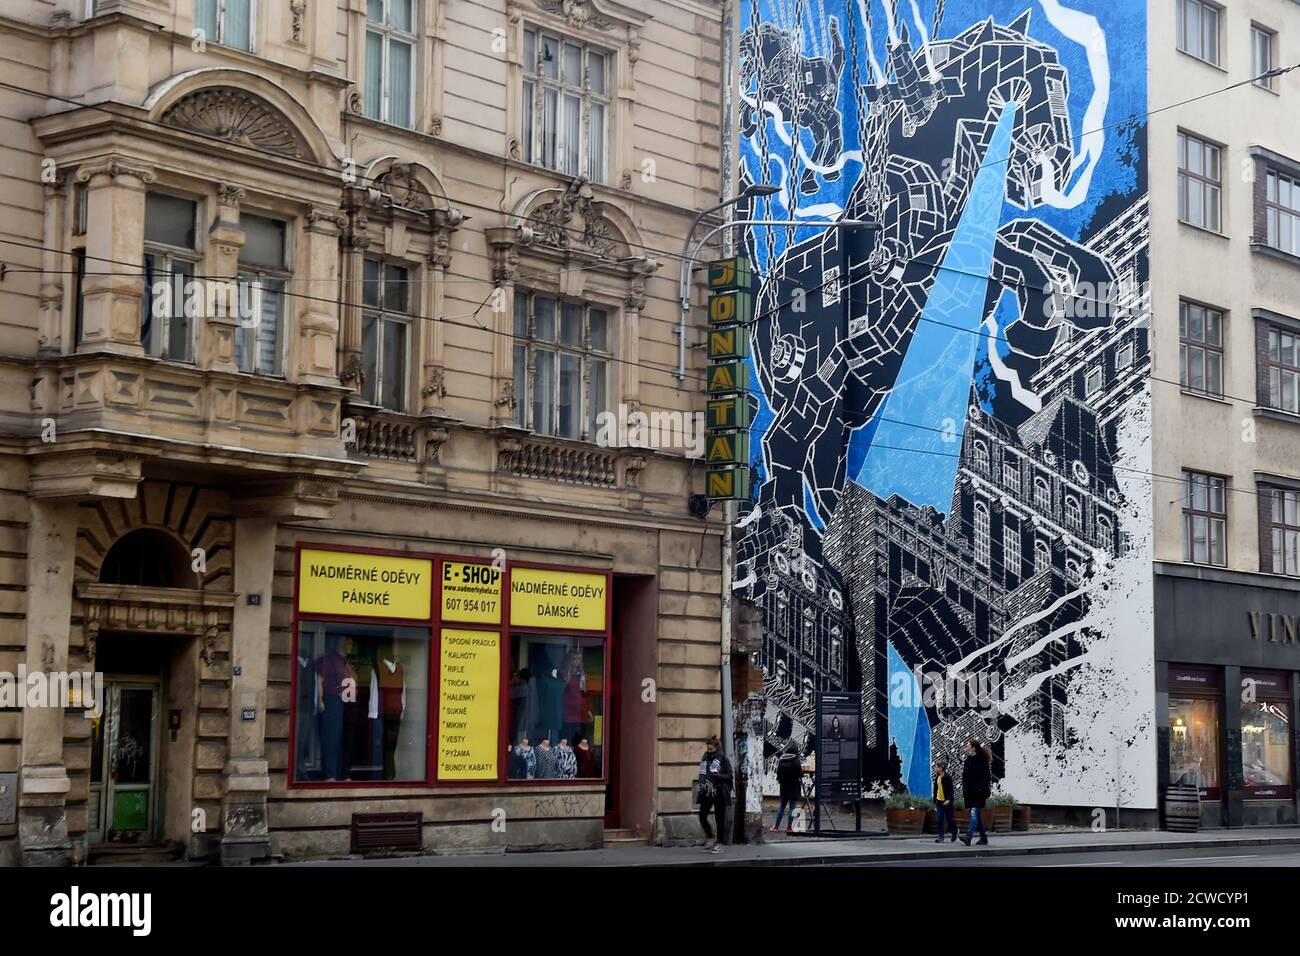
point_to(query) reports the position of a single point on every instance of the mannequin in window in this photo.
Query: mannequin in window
(388, 704)
(575, 686)
(548, 761)
(546, 665)
(588, 762)
(524, 761)
(568, 760)
(336, 691)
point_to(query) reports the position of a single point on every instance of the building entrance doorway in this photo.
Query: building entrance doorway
(124, 762)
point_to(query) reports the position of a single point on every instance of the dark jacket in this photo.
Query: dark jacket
(948, 796)
(975, 782)
(719, 772)
(789, 773)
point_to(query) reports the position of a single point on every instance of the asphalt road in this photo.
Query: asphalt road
(1209, 857)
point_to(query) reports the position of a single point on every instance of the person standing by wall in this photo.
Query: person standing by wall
(976, 784)
(715, 783)
(789, 773)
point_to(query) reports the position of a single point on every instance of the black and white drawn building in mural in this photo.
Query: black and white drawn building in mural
(951, 441)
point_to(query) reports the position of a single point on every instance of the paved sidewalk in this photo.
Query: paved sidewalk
(815, 852)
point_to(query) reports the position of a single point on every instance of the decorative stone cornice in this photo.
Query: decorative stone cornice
(327, 221)
(572, 221)
(115, 167)
(505, 242)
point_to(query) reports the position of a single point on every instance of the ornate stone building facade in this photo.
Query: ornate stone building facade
(359, 281)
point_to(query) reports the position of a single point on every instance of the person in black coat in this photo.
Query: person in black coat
(715, 782)
(976, 785)
(944, 802)
(789, 774)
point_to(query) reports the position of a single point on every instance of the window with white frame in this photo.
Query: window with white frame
(1262, 42)
(1105, 532)
(1200, 189)
(263, 271)
(1073, 571)
(566, 105)
(1073, 513)
(1198, 29)
(226, 22)
(981, 454)
(1011, 474)
(171, 255)
(1042, 495)
(385, 333)
(390, 61)
(1124, 355)
(1093, 380)
(983, 543)
(1010, 548)
(1042, 556)
(562, 359)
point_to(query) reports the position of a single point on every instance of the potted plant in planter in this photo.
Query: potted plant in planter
(904, 814)
(961, 815)
(999, 812)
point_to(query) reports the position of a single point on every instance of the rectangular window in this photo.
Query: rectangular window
(1010, 549)
(1284, 370)
(556, 707)
(1266, 737)
(559, 346)
(1282, 212)
(1198, 30)
(1092, 381)
(385, 334)
(263, 270)
(390, 61)
(227, 22)
(565, 105)
(1199, 185)
(1124, 357)
(1200, 335)
(1261, 55)
(170, 302)
(1194, 744)
(1205, 519)
(362, 702)
(983, 542)
(1011, 475)
(1284, 529)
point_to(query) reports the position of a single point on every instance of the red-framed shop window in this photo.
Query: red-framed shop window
(419, 669)
(556, 671)
(362, 658)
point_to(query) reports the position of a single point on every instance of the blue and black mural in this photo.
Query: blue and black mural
(950, 451)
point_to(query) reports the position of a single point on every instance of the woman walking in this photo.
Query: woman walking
(976, 784)
(715, 783)
(789, 774)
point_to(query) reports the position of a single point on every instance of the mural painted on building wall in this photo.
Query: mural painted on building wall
(951, 507)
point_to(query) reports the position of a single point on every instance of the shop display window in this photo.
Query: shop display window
(1266, 747)
(362, 703)
(555, 717)
(1194, 744)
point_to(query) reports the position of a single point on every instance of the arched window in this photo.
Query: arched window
(1105, 532)
(1042, 556)
(981, 451)
(1073, 513)
(1042, 495)
(982, 545)
(147, 558)
(1073, 571)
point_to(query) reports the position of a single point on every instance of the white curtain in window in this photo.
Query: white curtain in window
(268, 329)
(399, 83)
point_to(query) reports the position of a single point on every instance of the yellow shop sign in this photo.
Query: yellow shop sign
(364, 585)
(540, 597)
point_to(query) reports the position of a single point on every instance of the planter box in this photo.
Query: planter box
(931, 821)
(1020, 817)
(963, 820)
(998, 819)
(905, 822)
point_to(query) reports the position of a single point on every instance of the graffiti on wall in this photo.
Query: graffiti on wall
(951, 447)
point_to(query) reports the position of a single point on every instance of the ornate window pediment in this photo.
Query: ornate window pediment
(596, 14)
(573, 221)
(239, 117)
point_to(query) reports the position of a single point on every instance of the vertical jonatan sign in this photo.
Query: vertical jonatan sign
(731, 313)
